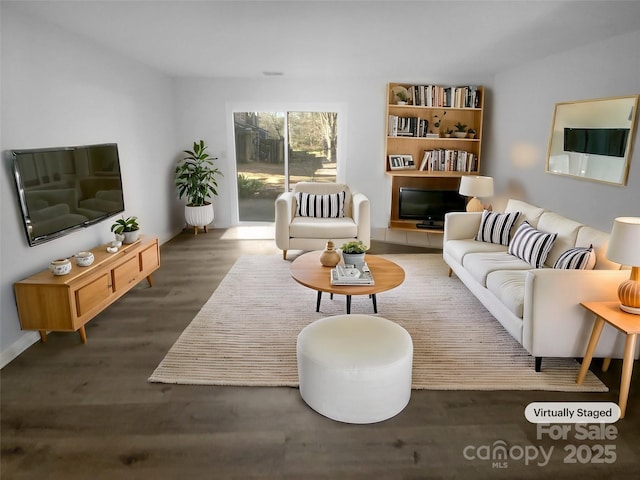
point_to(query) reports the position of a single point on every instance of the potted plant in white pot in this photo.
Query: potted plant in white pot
(353, 252)
(127, 229)
(196, 180)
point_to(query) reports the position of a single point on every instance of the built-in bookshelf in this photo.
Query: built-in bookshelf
(434, 136)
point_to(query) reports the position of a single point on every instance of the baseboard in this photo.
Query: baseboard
(17, 347)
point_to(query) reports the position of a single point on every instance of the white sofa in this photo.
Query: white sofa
(539, 307)
(294, 232)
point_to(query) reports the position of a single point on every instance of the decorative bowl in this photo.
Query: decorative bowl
(84, 259)
(61, 266)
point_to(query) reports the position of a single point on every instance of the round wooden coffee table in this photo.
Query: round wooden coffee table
(308, 271)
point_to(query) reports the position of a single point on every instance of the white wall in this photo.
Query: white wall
(60, 90)
(522, 110)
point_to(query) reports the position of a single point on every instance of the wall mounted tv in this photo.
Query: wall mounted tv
(611, 142)
(429, 206)
(66, 188)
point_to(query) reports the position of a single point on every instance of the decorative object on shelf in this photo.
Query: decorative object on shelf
(128, 227)
(471, 133)
(624, 249)
(437, 122)
(61, 266)
(353, 252)
(401, 94)
(401, 162)
(476, 186)
(461, 130)
(196, 180)
(84, 259)
(447, 133)
(330, 257)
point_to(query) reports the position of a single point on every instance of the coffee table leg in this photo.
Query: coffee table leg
(318, 301)
(348, 304)
(375, 303)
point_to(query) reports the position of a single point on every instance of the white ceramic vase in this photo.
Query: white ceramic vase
(130, 237)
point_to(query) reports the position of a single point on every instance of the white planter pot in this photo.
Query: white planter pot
(130, 237)
(199, 216)
(353, 258)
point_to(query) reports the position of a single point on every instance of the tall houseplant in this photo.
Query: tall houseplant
(196, 180)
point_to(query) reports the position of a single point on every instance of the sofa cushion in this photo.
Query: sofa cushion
(531, 245)
(600, 241)
(566, 229)
(459, 248)
(529, 213)
(311, 227)
(508, 287)
(577, 258)
(496, 227)
(330, 205)
(479, 265)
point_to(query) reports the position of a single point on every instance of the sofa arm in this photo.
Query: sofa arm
(362, 216)
(461, 225)
(553, 318)
(285, 208)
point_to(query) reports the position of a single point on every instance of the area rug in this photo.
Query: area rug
(245, 334)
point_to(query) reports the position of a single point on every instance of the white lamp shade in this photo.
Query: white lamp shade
(624, 243)
(472, 186)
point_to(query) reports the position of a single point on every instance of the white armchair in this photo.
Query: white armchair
(312, 232)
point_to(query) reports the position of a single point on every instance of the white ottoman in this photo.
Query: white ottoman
(355, 368)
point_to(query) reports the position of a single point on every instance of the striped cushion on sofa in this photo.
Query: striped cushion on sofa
(531, 245)
(320, 206)
(496, 227)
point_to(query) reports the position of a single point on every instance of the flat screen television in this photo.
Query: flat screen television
(611, 142)
(65, 188)
(429, 206)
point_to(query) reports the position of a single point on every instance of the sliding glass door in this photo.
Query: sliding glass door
(275, 150)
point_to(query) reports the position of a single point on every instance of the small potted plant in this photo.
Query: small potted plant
(353, 252)
(471, 133)
(448, 133)
(461, 130)
(402, 98)
(126, 229)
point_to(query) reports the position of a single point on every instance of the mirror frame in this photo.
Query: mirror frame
(598, 106)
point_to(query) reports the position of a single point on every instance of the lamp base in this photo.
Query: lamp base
(474, 205)
(634, 310)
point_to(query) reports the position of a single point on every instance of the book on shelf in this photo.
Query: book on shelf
(447, 160)
(466, 96)
(351, 275)
(407, 126)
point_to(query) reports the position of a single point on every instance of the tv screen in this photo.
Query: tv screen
(429, 206)
(611, 142)
(65, 188)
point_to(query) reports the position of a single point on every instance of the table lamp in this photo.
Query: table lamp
(475, 186)
(624, 248)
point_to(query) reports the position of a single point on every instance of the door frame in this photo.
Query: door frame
(233, 107)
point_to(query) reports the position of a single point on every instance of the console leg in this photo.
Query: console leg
(538, 364)
(43, 336)
(83, 334)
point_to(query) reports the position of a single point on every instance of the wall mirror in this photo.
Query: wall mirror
(592, 139)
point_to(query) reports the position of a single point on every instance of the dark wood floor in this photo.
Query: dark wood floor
(73, 411)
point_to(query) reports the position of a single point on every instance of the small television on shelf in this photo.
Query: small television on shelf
(610, 142)
(427, 206)
(62, 189)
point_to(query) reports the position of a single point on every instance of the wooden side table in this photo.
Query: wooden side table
(627, 323)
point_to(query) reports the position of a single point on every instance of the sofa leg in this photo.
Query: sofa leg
(538, 364)
(450, 271)
(284, 254)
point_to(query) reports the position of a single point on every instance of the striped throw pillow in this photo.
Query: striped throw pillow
(496, 227)
(578, 258)
(320, 206)
(531, 245)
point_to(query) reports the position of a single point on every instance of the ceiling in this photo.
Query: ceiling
(329, 39)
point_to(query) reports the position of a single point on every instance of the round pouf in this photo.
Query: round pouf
(355, 368)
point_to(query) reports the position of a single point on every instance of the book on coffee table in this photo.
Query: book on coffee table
(351, 275)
